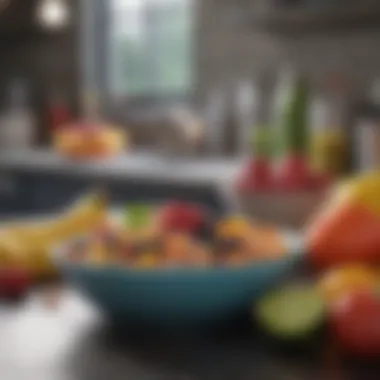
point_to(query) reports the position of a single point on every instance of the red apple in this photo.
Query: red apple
(14, 281)
(181, 216)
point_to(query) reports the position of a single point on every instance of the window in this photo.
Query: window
(147, 47)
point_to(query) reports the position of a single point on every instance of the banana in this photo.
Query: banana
(30, 244)
(11, 251)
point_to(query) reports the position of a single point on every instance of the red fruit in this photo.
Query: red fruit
(14, 281)
(178, 216)
(344, 233)
(82, 127)
(355, 323)
(319, 182)
(256, 175)
(293, 173)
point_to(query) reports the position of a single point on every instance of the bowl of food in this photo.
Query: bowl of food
(89, 140)
(162, 276)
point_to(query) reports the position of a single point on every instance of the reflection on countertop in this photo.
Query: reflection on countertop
(139, 166)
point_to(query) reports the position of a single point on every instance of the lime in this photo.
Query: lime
(292, 312)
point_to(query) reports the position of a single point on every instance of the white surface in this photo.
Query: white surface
(135, 166)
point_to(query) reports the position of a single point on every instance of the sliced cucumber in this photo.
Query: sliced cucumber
(293, 312)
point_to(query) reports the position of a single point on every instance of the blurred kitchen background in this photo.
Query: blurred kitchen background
(191, 79)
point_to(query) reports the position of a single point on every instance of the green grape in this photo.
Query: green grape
(137, 216)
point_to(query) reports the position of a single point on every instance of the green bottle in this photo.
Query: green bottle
(262, 141)
(292, 116)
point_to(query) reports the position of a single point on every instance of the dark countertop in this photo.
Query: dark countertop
(72, 342)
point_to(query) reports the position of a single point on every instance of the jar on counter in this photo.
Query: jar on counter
(367, 138)
(18, 122)
(328, 151)
(247, 102)
(367, 132)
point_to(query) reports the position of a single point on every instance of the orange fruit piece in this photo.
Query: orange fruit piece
(199, 256)
(176, 247)
(265, 243)
(237, 259)
(233, 227)
(341, 281)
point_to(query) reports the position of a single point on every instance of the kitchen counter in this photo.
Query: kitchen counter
(72, 342)
(39, 181)
(135, 166)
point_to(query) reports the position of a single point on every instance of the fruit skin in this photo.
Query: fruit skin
(234, 226)
(14, 281)
(347, 227)
(137, 216)
(256, 175)
(354, 323)
(339, 282)
(29, 244)
(273, 309)
(181, 217)
(292, 173)
(85, 140)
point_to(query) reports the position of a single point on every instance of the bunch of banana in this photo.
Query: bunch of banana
(30, 244)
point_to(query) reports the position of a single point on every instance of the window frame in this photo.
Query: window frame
(96, 18)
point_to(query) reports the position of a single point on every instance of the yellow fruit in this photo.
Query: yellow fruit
(40, 264)
(31, 243)
(363, 188)
(233, 227)
(341, 281)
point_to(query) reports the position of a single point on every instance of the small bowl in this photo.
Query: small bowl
(177, 297)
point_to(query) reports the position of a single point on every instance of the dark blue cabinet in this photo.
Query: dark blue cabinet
(36, 193)
(15, 191)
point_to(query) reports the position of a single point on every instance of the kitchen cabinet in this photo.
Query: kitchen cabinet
(15, 191)
(44, 182)
(25, 193)
(17, 18)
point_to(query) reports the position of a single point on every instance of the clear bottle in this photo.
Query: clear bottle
(214, 114)
(367, 131)
(246, 104)
(17, 126)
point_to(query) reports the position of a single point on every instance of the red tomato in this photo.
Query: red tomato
(355, 323)
(14, 281)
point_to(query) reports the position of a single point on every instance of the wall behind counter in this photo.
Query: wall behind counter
(224, 54)
(48, 60)
(243, 52)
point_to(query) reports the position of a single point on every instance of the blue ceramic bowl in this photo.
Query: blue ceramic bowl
(177, 297)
